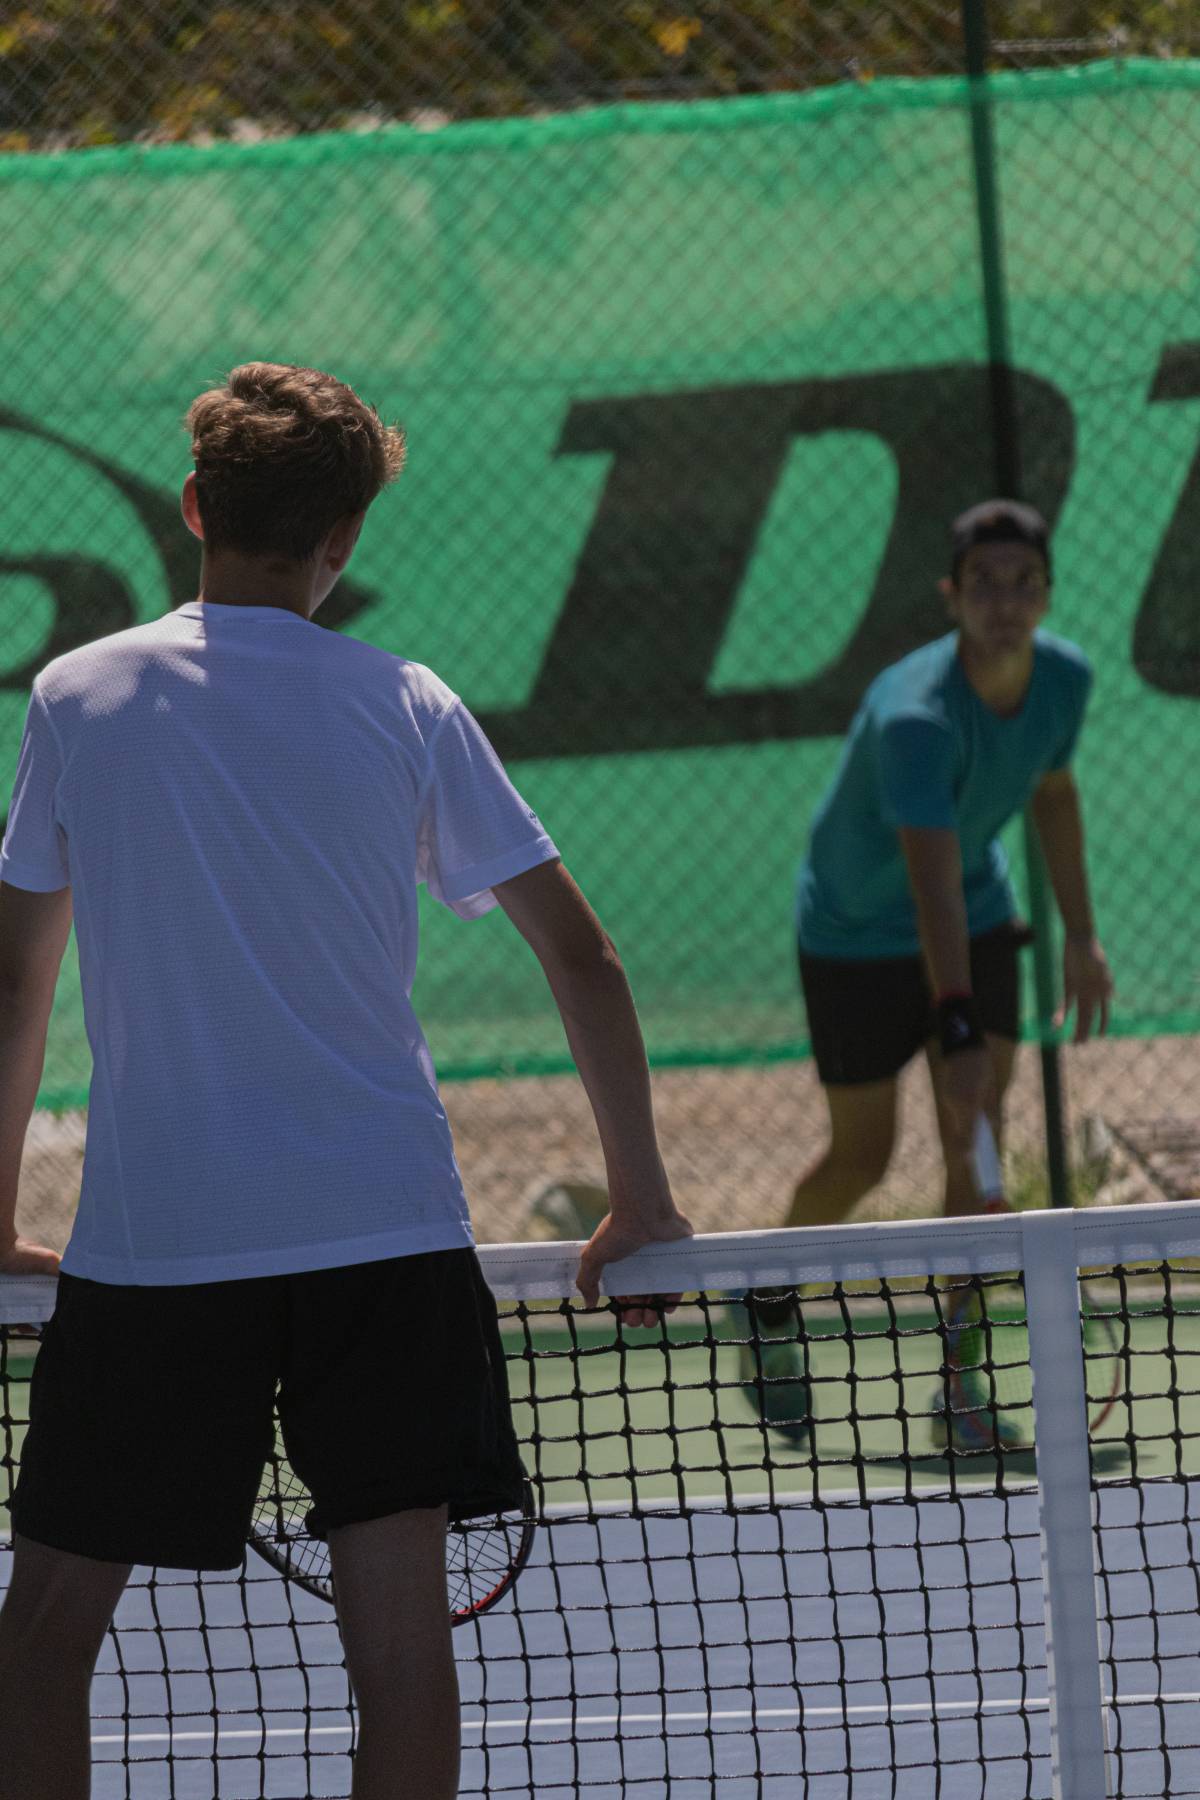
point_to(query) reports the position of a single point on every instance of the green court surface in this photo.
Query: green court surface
(16, 1364)
(603, 1421)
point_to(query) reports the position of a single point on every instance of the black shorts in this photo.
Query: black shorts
(867, 1019)
(151, 1407)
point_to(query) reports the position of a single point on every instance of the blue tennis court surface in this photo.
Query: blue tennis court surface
(679, 1656)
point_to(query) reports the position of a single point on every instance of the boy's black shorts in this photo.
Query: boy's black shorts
(151, 1407)
(867, 1019)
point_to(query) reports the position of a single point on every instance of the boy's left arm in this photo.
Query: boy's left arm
(1087, 980)
(34, 929)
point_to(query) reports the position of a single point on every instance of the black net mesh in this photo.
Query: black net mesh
(789, 1535)
(1146, 1464)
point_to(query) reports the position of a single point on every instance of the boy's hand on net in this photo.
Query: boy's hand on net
(618, 1237)
(21, 1257)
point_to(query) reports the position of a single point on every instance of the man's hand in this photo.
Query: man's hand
(964, 1083)
(615, 1238)
(1087, 986)
(588, 983)
(21, 1257)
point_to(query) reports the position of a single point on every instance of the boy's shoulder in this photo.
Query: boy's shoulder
(927, 683)
(104, 659)
(916, 686)
(411, 690)
(424, 693)
(108, 660)
(419, 685)
(1062, 658)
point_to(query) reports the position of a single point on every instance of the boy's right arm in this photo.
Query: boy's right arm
(934, 863)
(589, 985)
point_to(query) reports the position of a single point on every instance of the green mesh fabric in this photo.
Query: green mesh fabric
(692, 392)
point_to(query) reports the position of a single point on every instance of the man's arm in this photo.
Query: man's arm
(588, 982)
(1087, 982)
(936, 879)
(34, 929)
(935, 876)
(1059, 822)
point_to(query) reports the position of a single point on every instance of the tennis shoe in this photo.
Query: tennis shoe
(774, 1373)
(967, 1417)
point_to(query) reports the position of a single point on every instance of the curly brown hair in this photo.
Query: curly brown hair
(281, 454)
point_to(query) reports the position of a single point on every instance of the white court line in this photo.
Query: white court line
(553, 1722)
(580, 1512)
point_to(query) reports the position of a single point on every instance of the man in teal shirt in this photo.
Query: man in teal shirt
(927, 752)
(907, 928)
(906, 916)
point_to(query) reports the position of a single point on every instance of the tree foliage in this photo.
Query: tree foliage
(75, 72)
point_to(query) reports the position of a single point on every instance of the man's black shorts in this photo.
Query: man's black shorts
(151, 1407)
(867, 1019)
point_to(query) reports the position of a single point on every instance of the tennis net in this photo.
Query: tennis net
(961, 1553)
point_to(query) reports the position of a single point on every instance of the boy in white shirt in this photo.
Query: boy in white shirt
(237, 807)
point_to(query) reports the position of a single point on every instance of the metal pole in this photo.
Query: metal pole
(1060, 1412)
(1007, 442)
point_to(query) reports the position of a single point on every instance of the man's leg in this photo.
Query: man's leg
(862, 1122)
(774, 1365)
(390, 1581)
(52, 1625)
(973, 1424)
(961, 1197)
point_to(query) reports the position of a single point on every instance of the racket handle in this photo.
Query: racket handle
(989, 1176)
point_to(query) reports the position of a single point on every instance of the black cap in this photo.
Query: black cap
(998, 522)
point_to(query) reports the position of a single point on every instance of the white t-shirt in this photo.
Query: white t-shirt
(243, 804)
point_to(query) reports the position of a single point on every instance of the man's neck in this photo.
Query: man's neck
(299, 607)
(234, 581)
(259, 600)
(1001, 682)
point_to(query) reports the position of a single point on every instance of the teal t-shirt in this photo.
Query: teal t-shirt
(924, 750)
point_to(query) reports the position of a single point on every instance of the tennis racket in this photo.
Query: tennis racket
(483, 1556)
(989, 1383)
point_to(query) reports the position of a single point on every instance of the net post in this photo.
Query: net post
(1041, 917)
(1006, 439)
(1077, 1742)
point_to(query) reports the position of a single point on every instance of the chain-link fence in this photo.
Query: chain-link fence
(693, 381)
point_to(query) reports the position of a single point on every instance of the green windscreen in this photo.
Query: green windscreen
(692, 392)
